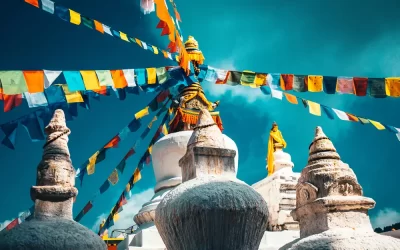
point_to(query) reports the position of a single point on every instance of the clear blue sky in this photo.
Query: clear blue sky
(342, 38)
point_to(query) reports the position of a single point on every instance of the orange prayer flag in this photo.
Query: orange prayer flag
(119, 79)
(101, 91)
(113, 143)
(90, 79)
(139, 42)
(33, 2)
(98, 26)
(177, 15)
(163, 15)
(291, 98)
(34, 81)
(352, 117)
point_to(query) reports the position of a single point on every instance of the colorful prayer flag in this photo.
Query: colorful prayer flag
(314, 108)
(345, 85)
(72, 97)
(113, 178)
(377, 125)
(291, 98)
(315, 83)
(90, 79)
(34, 81)
(91, 166)
(119, 79)
(136, 176)
(392, 86)
(48, 6)
(123, 36)
(33, 2)
(142, 113)
(75, 17)
(151, 75)
(13, 82)
(286, 81)
(342, 115)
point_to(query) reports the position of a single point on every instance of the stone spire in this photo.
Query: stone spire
(52, 226)
(211, 209)
(54, 191)
(330, 207)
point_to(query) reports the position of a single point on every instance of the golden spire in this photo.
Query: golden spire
(195, 55)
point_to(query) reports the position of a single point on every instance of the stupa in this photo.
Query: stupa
(52, 226)
(279, 191)
(211, 209)
(330, 208)
(166, 153)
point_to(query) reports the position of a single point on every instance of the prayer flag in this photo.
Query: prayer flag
(315, 83)
(273, 80)
(277, 94)
(104, 187)
(34, 81)
(234, 78)
(136, 176)
(75, 17)
(151, 75)
(345, 85)
(300, 83)
(113, 178)
(48, 6)
(162, 75)
(352, 118)
(142, 113)
(32, 125)
(62, 13)
(155, 50)
(130, 77)
(10, 132)
(74, 80)
(291, 98)
(222, 76)
(393, 86)
(330, 84)
(377, 125)
(342, 115)
(116, 217)
(164, 129)
(98, 26)
(360, 86)
(328, 112)
(72, 97)
(13, 82)
(121, 166)
(88, 206)
(248, 78)
(55, 95)
(141, 77)
(123, 133)
(363, 120)
(286, 81)
(13, 224)
(376, 87)
(33, 2)
(107, 29)
(138, 42)
(90, 79)
(144, 45)
(314, 108)
(35, 99)
(119, 79)
(50, 77)
(105, 78)
(87, 22)
(91, 166)
(265, 90)
(134, 125)
(123, 36)
(113, 143)
(260, 80)
(305, 104)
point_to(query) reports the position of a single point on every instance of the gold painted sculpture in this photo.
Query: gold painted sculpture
(275, 142)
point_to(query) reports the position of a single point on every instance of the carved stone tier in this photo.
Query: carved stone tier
(211, 209)
(330, 208)
(52, 226)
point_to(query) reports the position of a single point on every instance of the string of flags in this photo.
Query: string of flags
(20, 219)
(89, 167)
(76, 18)
(359, 86)
(317, 109)
(113, 178)
(126, 194)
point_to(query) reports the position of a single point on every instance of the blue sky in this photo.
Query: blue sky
(342, 38)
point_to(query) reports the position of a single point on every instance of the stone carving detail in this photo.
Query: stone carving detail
(306, 192)
(345, 186)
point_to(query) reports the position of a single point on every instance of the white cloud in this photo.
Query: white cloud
(385, 217)
(129, 211)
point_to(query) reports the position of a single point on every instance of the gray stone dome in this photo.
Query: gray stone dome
(50, 234)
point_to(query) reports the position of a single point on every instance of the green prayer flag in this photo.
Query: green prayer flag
(376, 87)
(113, 178)
(162, 75)
(299, 83)
(87, 22)
(105, 78)
(13, 82)
(247, 78)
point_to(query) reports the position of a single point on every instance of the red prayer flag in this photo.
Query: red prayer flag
(130, 153)
(88, 206)
(163, 95)
(287, 81)
(11, 101)
(360, 85)
(13, 224)
(114, 142)
(161, 25)
(122, 200)
(33, 2)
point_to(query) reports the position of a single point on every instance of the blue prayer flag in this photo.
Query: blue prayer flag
(141, 76)
(104, 187)
(55, 95)
(74, 80)
(62, 13)
(10, 130)
(32, 125)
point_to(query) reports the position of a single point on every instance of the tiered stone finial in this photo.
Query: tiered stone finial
(52, 226)
(331, 209)
(211, 209)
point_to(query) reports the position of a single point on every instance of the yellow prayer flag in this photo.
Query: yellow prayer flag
(91, 166)
(75, 17)
(377, 125)
(90, 79)
(314, 108)
(137, 176)
(315, 83)
(164, 129)
(151, 75)
(152, 121)
(116, 217)
(139, 42)
(155, 49)
(150, 149)
(128, 187)
(392, 85)
(291, 98)
(72, 97)
(142, 113)
(123, 36)
(260, 80)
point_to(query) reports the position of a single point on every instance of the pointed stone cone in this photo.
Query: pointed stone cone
(57, 135)
(206, 132)
(322, 148)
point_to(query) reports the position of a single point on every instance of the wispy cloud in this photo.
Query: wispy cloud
(129, 211)
(385, 217)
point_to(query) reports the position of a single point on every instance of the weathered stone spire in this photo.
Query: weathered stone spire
(211, 209)
(54, 191)
(331, 209)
